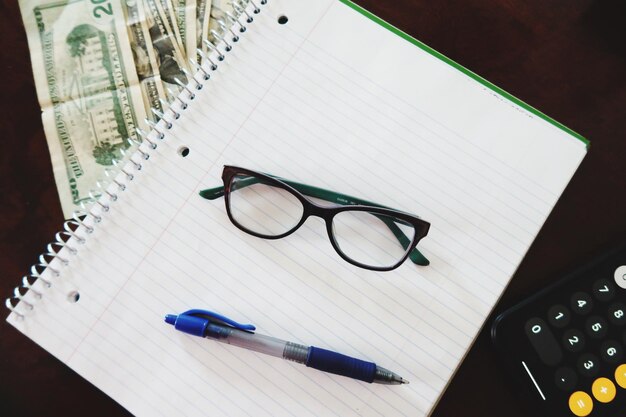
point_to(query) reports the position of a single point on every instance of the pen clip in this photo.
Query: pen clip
(214, 317)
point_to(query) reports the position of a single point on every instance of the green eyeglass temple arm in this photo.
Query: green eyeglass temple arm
(333, 197)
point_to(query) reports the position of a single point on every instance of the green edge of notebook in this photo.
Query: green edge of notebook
(464, 70)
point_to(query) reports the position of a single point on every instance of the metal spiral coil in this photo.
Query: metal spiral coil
(225, 28)
(60, 241)
(59, 253)
(256, 9)
(71, 226)
(137, 165)
(129, 176)
(29, 286)
(161, 115)
(8, 303)
(104, 188)
(55, 253)
(211, 46)
(17, 294)
(235, 21)
(205, 75)
(155, 127)
(205, 58)
(218, 36)
(76, 215)
(43, 262)
(145, 137)
(242, 11)
(191, 95)
(37, 275)
(167, 105)
(192, 77)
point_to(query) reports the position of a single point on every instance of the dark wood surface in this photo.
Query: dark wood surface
(564, 57)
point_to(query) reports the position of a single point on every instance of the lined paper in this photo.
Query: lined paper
(330, 99)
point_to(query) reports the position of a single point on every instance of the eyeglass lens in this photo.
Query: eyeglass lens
(367, 239)
(263, 208)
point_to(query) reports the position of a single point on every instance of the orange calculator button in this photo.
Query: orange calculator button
(603, 390)
(580, 403)
(620, 376)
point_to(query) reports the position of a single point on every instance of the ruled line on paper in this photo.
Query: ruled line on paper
(340, 64)
(318, 62)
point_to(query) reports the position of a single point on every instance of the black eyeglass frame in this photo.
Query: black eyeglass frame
(310, 208)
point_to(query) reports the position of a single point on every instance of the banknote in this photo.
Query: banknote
(203, 12)
(87, 87)
(185, 12)
(168, 14)
(170, 58)
(144, 56)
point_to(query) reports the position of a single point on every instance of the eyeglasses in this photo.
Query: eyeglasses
(365, 234)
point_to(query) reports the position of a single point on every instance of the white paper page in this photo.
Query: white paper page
(330, 99)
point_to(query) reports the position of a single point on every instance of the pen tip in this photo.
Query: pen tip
(404, 381)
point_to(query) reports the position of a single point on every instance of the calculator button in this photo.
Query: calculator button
(580, 403)
(603, 389)
(558, 316)
(611, 351)
(617, 314)
(581, 303)
(603, 290)
(588, 365)
(620, 276)
(596, 327)
(565, 378)
(543, 340)
(574, 340)
(620, 376)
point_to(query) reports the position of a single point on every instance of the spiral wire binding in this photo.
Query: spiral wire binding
(211, 46)
(225, 28)
(205, 74)
(75, 230)
(207, 58)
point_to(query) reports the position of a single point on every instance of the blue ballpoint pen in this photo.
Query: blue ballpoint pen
(215, 326)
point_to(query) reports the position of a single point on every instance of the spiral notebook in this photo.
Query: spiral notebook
(324, 93)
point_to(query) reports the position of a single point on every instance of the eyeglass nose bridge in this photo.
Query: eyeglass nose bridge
(317, 210)
(314, 209)
(323, 211)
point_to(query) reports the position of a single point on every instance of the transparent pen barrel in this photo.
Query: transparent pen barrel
(266, 344)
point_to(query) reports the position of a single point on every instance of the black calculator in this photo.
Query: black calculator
(566, 345)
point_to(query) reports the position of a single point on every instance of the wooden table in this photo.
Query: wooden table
(567, 58)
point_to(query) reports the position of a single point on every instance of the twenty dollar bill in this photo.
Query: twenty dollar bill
(87, 87)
